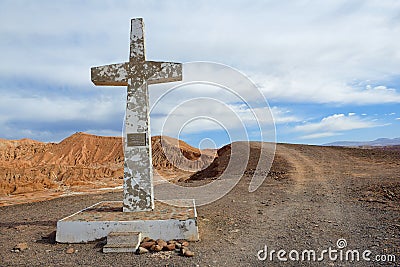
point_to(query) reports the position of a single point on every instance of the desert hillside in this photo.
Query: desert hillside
(84, 160)
(173, 156)
(312, 197)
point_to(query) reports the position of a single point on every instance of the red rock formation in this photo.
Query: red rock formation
(83, 159)
(174, 154)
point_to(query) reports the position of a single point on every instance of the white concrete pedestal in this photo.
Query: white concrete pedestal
(164, 222)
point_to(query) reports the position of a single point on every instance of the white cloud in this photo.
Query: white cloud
(380, 88)
(197, 109)
(333, 125)
(283, 115)
(397, 118)
(54, 118)
(204, 114)
(45, 109)
(300, 53)
(318, 87)
(332, 51)
(319, 135)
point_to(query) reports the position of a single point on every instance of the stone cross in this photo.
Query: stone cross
(136, 75)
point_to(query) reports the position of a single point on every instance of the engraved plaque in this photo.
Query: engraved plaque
(136, 139)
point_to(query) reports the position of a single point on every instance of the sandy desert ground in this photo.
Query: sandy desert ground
(312, 197)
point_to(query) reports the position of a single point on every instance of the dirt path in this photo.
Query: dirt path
(317, 205)
(312, 181)
(324, 195)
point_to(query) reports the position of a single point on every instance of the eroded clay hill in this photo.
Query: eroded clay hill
(83, 160)
(173, 154)
(248, 154)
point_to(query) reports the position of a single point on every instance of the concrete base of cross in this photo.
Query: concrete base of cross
(165, 222)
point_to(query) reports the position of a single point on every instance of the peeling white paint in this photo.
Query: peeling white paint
(136, 75)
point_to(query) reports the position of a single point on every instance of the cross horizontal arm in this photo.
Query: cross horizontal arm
(170, 72)
(112, 75)
(152, 71)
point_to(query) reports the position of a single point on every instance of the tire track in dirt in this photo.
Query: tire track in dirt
(313, 197)
(304, 169)
(310, 169)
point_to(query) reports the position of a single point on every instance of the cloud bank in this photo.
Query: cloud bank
(327, 53)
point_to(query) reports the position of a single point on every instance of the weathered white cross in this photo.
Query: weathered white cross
(137, 74)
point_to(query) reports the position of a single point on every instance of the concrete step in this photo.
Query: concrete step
(123, 238)
(119, 248)
(122, 242)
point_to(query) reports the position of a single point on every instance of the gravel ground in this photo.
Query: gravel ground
(321, 194)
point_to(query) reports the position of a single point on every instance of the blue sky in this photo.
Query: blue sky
(330, 70)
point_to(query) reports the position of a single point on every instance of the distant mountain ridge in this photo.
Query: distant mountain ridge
(377, 142)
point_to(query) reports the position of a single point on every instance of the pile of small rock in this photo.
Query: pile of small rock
(179, 246)
(20, 247)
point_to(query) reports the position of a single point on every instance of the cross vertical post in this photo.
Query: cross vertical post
(136, 75)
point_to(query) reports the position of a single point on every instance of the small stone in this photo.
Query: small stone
(141, 250)
(157, 248)
(185, 243)
(170, 247)
(178, 245)
(20, 247)
(20, 227)
(182, 250)
(187, 253)
(148, 244)
(147, 239)
(161, 243)
(70, 250)
(171, 242)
